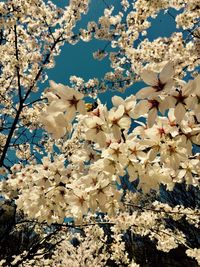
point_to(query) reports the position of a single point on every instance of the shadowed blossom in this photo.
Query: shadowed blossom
(159, 83)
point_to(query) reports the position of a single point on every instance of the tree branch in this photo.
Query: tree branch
(17, 67)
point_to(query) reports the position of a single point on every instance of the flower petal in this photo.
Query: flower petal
(145, 92)
(141, 108)
(117, 100)
(167, 72)
(151, 117)
(179, 112)
(149, 77)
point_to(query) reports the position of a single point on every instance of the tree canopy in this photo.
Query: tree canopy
(88, 184)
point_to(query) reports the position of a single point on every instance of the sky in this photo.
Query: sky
(78, 60)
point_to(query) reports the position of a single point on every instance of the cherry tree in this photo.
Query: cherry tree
(80, 182)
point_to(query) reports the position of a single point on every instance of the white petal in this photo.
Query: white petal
(197, 84)
(81, 107)
(60, 120)
(196, 139)
(152, 154)
(132, 173)
(60, 132)
(167, 72)
(141, 108)
(141, 155)
(57, 105)
(119, 112)
(49, 122)
(91, 134)
(71, 113)
(163, 106)
(190, 102)
(65, 92)
(179, 112)
(124, 122)
(168, 85)
(130, 105)
(117, 100)
(116, 132)
(171, 101)
(145, 92)
(53, 85)
(189, 88)
(150, 77)
(152, 117)
(101, 139)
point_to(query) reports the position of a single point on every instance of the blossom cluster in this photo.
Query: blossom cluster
(104, 147)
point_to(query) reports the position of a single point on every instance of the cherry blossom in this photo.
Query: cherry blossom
(117, 121)
(161, 83)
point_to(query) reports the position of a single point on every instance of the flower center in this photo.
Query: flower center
(160, 86)
(73, 101)
(154, 103)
